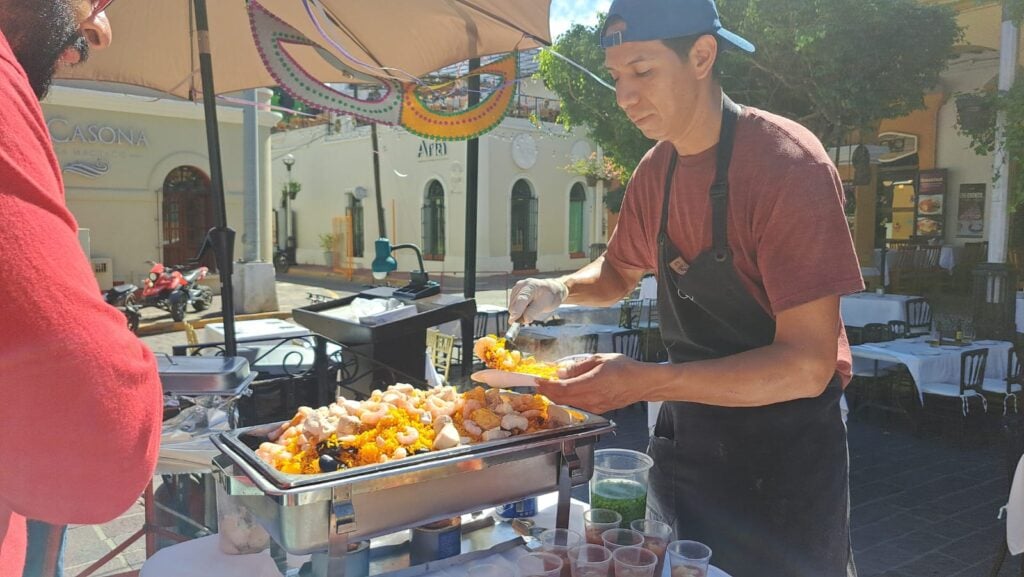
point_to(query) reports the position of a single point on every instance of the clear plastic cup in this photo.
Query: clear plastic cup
(489, 570)
(634, 562)
(597, 521)
(657, 536)
(559, 542)
(616, 538)
(619, 482)
(590, 561)
(539, 565)
(688, 558)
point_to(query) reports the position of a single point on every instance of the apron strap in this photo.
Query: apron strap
(720, 187)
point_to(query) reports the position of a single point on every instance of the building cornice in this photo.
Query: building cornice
(147, 106)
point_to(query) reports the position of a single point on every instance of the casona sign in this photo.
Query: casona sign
(64, 132)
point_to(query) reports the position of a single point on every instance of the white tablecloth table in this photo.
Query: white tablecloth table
(271, 330)
(860, 309)
(948, 257)
(582, 314)
(202, 557)
(928, 364)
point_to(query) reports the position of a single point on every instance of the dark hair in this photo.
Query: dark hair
(682, 45)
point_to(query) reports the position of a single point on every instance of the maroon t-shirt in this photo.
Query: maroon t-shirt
(787, 230)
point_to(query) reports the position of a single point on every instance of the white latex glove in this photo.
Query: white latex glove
(535, 299)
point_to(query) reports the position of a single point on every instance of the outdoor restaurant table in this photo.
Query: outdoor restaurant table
(928, 364)
(271, 330)
(583, 314)
(862, 308)
(567, 339)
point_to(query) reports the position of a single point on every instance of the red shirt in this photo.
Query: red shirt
(787, 229)
(81, 400)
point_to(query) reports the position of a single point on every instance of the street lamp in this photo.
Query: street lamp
(289, 162)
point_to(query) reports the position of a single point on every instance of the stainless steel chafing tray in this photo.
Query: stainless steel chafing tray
(324, 512)
(199, 376)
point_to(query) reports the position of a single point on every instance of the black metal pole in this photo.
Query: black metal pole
(221, 237)
(382, 231)
(472, 166)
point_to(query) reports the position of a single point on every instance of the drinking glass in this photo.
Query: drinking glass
(689, 558)
(620, 482)
(597, 521)
(559, 542)
(657, 536)
(969, 333)
(590, 561)
(616, 538)
(634, 562)
(539, 565)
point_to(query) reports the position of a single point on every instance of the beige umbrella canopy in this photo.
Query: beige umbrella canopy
(155, 41)
(174, 46)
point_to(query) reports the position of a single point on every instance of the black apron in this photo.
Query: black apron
(766, 488)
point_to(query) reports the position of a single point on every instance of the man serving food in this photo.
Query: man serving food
(740, 214)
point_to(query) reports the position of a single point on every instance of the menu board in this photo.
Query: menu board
(930, 202)
(970, 212)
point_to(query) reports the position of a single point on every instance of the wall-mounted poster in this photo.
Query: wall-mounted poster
(930, 202)
(970, 214)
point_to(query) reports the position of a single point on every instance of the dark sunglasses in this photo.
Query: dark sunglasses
(99, 6)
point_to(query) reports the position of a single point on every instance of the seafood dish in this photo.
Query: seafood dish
(491, 350)
(402, 421)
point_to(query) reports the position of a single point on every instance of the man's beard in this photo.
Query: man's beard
(39, 33)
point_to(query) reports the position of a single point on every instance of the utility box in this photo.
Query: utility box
(103, 268)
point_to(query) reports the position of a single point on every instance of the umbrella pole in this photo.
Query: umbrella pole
(472, 192)
(221, 237)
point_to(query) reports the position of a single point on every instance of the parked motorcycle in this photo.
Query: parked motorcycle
(123, 297)
(171, 288)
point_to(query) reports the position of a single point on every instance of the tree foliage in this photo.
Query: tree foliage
(982, 131)
(833, 65)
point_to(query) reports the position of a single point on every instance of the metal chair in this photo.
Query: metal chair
(630, 312)
(899, 329)
(972, 376)
(589, 344)
(919, 317)
(1005, 389)
(875, 333)
(627, 343)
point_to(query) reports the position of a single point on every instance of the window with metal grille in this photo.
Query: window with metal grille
(523, 226)
(355, 212)
(433, 222)
(577, 200)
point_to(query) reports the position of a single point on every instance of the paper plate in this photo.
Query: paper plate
(503, 379)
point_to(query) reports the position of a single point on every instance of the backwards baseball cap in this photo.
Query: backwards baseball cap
(664, 19)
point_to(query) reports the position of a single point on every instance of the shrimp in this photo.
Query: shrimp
(469, 406)
(272, 453)
(374, 412)
(482, 346)
(439, 407)
(408, 436)
(531, 414)
(512, 422)
(505, 408)
(472, 428)
(496, 434)
(400, 453)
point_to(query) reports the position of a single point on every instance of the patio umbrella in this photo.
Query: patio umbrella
(170, 46)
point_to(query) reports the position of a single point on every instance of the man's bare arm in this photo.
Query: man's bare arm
(601, 283)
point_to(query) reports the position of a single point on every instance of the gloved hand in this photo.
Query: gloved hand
(534, 299)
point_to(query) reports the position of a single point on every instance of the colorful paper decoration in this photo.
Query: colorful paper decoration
(400, 102)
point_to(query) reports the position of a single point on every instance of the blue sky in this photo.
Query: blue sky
(567, 12)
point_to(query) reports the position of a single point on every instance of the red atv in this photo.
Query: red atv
(171, 288)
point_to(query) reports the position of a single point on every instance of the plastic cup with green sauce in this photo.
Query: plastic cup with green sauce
(619, 483)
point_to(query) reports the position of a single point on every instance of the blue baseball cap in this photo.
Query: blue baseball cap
(664, 19)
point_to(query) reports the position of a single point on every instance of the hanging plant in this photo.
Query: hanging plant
(977, 121)
(289, 191)
(594, 169)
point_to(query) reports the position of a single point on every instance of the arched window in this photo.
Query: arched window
(524, 226)
(577, 201)
(433, 222)
(187, 213)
